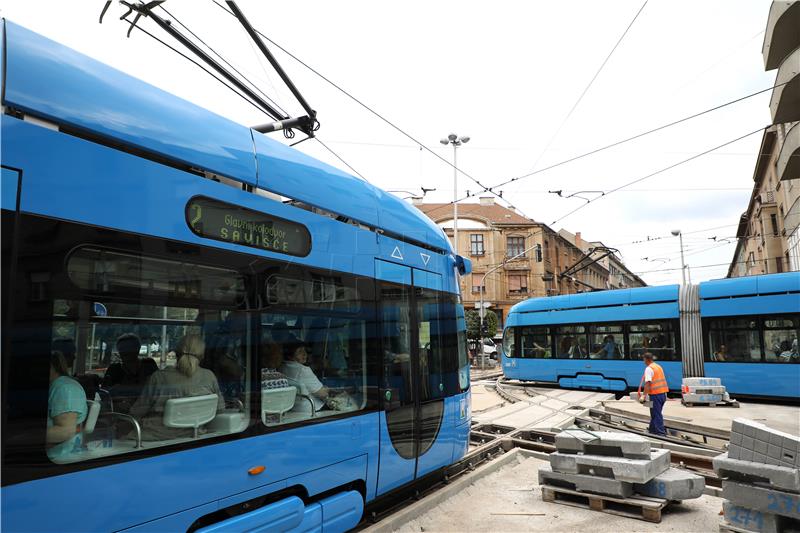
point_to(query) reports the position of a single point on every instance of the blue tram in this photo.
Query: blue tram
(205, 329)
(743, 330)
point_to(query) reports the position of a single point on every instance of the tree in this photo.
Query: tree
(473, 320)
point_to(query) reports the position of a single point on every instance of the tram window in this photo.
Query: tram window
(535, 343)
(313, 349)
(120, 366)
(396, 334)
(734, 340)
(463, 356)
(606, 342)
(657, 338)
(431, 356)
(780, 339)
(508, 342)
(571, 342)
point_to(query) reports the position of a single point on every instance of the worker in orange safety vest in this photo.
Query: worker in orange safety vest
(655, 387)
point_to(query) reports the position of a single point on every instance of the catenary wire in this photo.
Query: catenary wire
(660, 171)
(369, 109)
(588, 86)
(340, 158)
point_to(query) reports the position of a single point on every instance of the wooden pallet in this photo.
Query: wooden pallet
(638, 507)
(730, 403)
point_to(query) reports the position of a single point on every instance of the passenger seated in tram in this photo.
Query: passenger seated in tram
(66, 409)
(125, 380)
(271, 359)
(295, 368)
(565, 347)
(221, 352)
(186, 379)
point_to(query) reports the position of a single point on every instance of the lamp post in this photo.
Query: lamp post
(481, 311)
(456, 141)
(679, 234)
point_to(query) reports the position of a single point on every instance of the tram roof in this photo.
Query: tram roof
(787, 282)
(615, 298)
(88, 98)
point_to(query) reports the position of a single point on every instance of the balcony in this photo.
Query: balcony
(785, 102)
(782, 35)
(789, 158)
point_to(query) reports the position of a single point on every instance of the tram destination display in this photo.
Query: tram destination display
(230, 223)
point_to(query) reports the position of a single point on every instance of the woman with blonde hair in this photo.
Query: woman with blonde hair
(185, 380)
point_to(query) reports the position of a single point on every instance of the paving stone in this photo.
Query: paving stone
(674, 484)
(778, 477)
(702, 398)
(701, 382)
(603, 443)
(750, 519)
(619, 468)
(762, 499)
(585, 483)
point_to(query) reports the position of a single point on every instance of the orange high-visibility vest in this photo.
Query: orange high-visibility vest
(659, 383)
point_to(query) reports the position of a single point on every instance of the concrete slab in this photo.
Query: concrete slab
(702, 398)
(554, 423)
(584, 483)
(510, 500)
(778, 477)
(701, 382)
(751, 520)
(494, 414)
(619, 468)
(720, 389)
(555, 404)
(674, 484)
(762, 499)
(757, 442)
(603, 443)
(484, 399)
(525, 417)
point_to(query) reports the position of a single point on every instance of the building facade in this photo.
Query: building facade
(768, 234)
(513, 257)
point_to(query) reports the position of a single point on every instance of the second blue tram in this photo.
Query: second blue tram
(743, 330)
(205, 329)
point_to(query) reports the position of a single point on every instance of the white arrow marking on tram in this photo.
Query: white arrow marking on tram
(397, 254)
(425, 258)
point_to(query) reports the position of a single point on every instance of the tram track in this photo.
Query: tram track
(490, 441)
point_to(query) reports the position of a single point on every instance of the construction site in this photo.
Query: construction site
(550, 459)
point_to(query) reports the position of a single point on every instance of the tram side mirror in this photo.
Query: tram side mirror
(463, 265)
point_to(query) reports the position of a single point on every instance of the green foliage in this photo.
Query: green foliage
(473, 321)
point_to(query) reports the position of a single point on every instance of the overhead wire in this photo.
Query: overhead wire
(588, 86)
(657, 172)
(337, 156)
(366, 107)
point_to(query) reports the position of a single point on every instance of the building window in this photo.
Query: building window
(515, 246)
(476, 283)
(517, 283)
(774, 219)
(476, 244)
(779, 264)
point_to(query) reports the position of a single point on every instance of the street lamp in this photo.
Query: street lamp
(679, 234)
(456, 141)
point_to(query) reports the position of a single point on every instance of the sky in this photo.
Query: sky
(506, 74)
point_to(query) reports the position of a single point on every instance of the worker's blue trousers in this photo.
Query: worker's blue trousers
(656, 417)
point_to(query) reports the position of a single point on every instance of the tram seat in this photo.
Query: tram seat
(191, 412)
(93, 414)
(306, 405)
(277, 402)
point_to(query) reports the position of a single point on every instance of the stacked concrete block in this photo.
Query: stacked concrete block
(761, 478)
(704, 391)
(751, 441)
(618, 465)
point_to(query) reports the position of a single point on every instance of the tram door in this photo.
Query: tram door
(411, 389)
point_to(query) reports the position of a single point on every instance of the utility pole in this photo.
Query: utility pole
(678, 233)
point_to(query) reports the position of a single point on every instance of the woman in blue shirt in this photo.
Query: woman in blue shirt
(66, 409)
